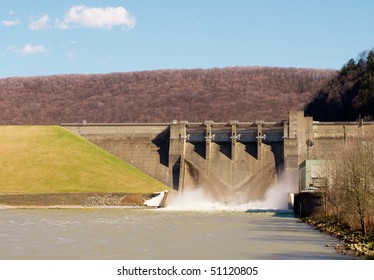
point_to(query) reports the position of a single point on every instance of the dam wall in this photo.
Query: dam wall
(145, 146)
(230, 161)
(233, 162)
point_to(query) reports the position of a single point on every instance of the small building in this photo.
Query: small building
(313, 175)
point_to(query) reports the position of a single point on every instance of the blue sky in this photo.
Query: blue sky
(43, 37)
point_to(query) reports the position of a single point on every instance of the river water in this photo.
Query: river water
(154, 234)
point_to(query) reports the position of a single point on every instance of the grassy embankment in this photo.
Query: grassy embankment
(52, 160)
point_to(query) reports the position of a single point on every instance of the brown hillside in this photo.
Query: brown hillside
(240, 93)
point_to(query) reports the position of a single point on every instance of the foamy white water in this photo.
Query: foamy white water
(155, 201)
(196, 199)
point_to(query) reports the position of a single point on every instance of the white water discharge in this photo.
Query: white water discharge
(156, 201)
(196, 199)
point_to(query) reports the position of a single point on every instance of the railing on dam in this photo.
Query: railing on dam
(249, 134)
(242, 136)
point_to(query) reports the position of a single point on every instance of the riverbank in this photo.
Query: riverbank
(73, 200)
(355, 242)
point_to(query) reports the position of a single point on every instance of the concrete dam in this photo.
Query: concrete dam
(233, 162)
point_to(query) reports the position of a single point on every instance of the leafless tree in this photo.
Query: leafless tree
(240, 93)
(351, 188)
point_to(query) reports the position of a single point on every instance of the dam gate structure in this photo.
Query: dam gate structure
(233, 162)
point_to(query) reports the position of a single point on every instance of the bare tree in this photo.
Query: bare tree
(242, 93)
(351, 189)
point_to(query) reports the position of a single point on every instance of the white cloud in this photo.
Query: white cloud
(33, 49)
(9, 23)
(29, 49)
(40, 23)
(86, 17)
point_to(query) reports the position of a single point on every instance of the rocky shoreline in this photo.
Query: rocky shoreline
(73, 200)
(354, 242)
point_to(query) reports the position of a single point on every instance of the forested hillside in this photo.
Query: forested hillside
(348, 96)
(238, 93)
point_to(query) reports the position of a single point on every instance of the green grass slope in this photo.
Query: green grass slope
(50, 159)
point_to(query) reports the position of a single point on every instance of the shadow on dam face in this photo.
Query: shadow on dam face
(176, 174)
(251, 149)
(162, 142)
(199, 148)
(238, 181)
(223, 147)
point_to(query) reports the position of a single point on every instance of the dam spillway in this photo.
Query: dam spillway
(233, 162)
